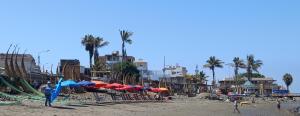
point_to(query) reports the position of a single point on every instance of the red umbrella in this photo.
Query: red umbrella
(120, 89)
(156, 90)
(99, 84)
(113, 85)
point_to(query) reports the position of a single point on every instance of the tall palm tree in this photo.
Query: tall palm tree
(252, 65)
(125, 36)
(288, 80)
(91, 44)
(88, 42)
(213, 63)
(99, 43)
(237, 63)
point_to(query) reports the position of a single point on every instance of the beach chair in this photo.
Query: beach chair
(125, 98)
(128, 97)
(146, 99)
(137, 98)
(151, 98)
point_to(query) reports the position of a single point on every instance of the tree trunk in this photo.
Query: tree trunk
(91, 56)
(123, 50)
(214, 81)
(235, 79)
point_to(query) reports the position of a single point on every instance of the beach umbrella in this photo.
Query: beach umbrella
(120, 89)
(163, 89)
(138, 87)
(156, 90)
(86, 83)
(99, 84)
(113, 85)
(69, 83)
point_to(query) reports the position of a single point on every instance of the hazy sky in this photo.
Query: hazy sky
(186, 32)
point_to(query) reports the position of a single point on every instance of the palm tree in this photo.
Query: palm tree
(202, 76)
(288, 80)
(88, 42)
(125, 36)
(99, 43)
(213, 63)
(237, 63)
(91, 44)
(252, 65)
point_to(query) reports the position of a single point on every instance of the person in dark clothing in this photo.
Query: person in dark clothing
(47, 92)
(278, 104)
(235, 106)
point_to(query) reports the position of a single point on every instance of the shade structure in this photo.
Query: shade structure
(156, 90)
(113, 85)
(129, 88)
(69, 83)
(138, 87)
(86, 83)
(120, 89)
(99, 84)
(248, 85)
(163, 89)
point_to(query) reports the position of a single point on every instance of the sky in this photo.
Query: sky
(186, 32)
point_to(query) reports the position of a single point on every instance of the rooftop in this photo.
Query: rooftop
(253, 79)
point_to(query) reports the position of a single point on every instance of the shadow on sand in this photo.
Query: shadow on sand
(61, 107)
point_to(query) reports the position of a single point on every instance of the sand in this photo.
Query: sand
(183, 107)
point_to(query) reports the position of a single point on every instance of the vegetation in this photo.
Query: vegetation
(127, 72)
(288, 80)
(237, 63)
(213, 63)
(92, 44)
(201, 77)
(254, 75)
(125, 36)
(252, 65)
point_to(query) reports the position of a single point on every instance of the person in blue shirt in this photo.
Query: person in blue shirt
(48, 91)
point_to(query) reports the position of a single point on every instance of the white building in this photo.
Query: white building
(175, 71)
(142, 66)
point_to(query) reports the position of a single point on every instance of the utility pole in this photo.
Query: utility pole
(39, 57)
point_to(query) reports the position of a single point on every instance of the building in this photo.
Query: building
(142, 66)
(109, 61)
(174, 78)
(261, 86)
(32, 69)
(113, 58)
(175, 71)
(71, 69)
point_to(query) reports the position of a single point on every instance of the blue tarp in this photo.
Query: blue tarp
(280, 91)
(86, 83)
(69, 83)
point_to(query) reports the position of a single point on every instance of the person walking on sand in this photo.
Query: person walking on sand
(47, 92)
(278, 104)
(235, 106)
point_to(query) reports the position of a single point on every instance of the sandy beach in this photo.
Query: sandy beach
(190, 107)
